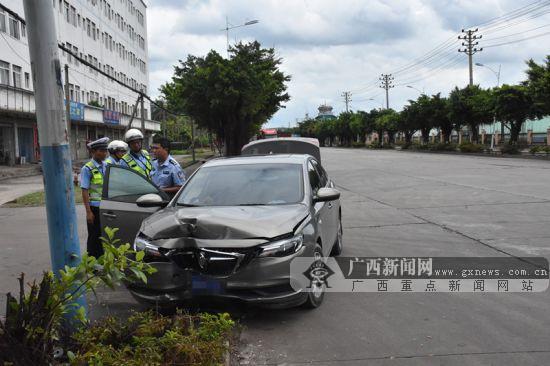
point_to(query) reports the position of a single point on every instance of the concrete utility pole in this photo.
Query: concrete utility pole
(54, 136)
(470, 43)
(387, 80)
(347, 99)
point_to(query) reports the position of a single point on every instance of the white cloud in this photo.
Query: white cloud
(332, 46)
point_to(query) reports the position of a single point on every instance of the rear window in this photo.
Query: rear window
(244, 185)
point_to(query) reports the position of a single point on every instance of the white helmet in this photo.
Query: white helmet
(117, 145)
(133, 134)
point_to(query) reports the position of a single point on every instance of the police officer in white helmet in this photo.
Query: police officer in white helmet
(117, 149)
(136, 158)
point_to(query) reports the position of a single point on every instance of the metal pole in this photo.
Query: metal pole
(227, 35)
(67, 103)
(54, 143)
(143, 121)
(193, 139)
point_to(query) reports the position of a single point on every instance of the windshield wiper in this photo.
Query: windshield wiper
(252, 204)
(186, 204)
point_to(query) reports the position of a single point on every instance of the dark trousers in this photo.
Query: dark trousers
(93, 245)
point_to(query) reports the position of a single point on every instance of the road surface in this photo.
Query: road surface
(394, 204)
(417, 204)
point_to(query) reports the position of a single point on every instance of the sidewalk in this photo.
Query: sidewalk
(10, 189)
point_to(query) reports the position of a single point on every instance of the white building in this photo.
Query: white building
(110, 34)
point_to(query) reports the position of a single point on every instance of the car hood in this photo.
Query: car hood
(225, 222)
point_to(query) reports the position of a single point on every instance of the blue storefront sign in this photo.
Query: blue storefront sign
(111, 117)
(76, 111)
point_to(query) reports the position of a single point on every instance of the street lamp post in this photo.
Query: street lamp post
(497, 74)
(229, 26)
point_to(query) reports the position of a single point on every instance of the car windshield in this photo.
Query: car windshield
(244, 185)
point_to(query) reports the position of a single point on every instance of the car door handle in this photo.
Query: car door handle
(329, 205)
(109, 215)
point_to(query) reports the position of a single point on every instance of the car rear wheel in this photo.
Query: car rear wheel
(316, 293)
(338, 244)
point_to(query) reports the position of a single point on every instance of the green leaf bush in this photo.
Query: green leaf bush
(150, 339)
(469, 147)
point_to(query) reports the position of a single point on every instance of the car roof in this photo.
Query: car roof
(259, 159)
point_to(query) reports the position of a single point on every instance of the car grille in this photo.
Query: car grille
(211, 261)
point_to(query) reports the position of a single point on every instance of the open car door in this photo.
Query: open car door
(118, 209)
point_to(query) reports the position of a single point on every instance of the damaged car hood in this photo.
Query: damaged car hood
(221, 222)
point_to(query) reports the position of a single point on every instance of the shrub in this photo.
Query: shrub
(151, 339)
(34, 325)
(539, 149)
(469, 147)
(510, 149)
(357, 144)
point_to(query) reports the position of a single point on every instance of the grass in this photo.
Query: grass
(38, 199)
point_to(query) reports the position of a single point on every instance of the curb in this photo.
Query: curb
(24, 173)
(491, 155)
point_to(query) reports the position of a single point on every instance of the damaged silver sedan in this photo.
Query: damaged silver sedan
(232, 230)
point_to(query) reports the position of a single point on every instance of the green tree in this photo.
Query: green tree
(408, 121)
(232, 97)
(471, 106)
(343, 129)
(538, 85)
(513, 106)
(387, 121)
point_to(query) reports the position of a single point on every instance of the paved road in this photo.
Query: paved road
(416, 204)
(395, 204)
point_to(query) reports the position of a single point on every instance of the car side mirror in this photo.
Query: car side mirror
(326, 194)
(151, 200)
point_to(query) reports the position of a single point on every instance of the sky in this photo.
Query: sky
(329, 47)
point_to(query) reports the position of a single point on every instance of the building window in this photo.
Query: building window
(73, 16)
(17, 76)
(77, 93)
(2, 21)
(23, 30)
(14, 28)
(4, 73)
(67, 12)
(27, 80)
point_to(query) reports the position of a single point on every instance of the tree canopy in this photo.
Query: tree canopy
(231, 97)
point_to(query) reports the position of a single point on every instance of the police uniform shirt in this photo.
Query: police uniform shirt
(168, 174)
(112, 160)
(86, 177)
(140, 159)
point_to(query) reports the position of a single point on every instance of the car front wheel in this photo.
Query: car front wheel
(316, 292)
(338, 244)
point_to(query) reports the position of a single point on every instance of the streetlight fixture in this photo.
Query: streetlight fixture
(418, 90)
(497, 74)
(377, 101)
(229, 26)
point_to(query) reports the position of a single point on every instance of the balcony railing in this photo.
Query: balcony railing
(16, 99)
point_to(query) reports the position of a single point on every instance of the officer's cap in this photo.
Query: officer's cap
(99, 144)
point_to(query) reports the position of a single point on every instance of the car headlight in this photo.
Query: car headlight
(143, 243)
(281, 248)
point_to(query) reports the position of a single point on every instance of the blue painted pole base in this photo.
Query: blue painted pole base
(60, 209)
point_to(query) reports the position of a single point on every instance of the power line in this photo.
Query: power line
(139, 92)
(518, 40)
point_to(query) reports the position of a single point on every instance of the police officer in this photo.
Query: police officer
(167, 173)
(136, 159)
(117, 149)
(91, 182)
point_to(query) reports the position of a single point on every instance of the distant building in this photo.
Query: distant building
(110, 34)
(325, 113)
